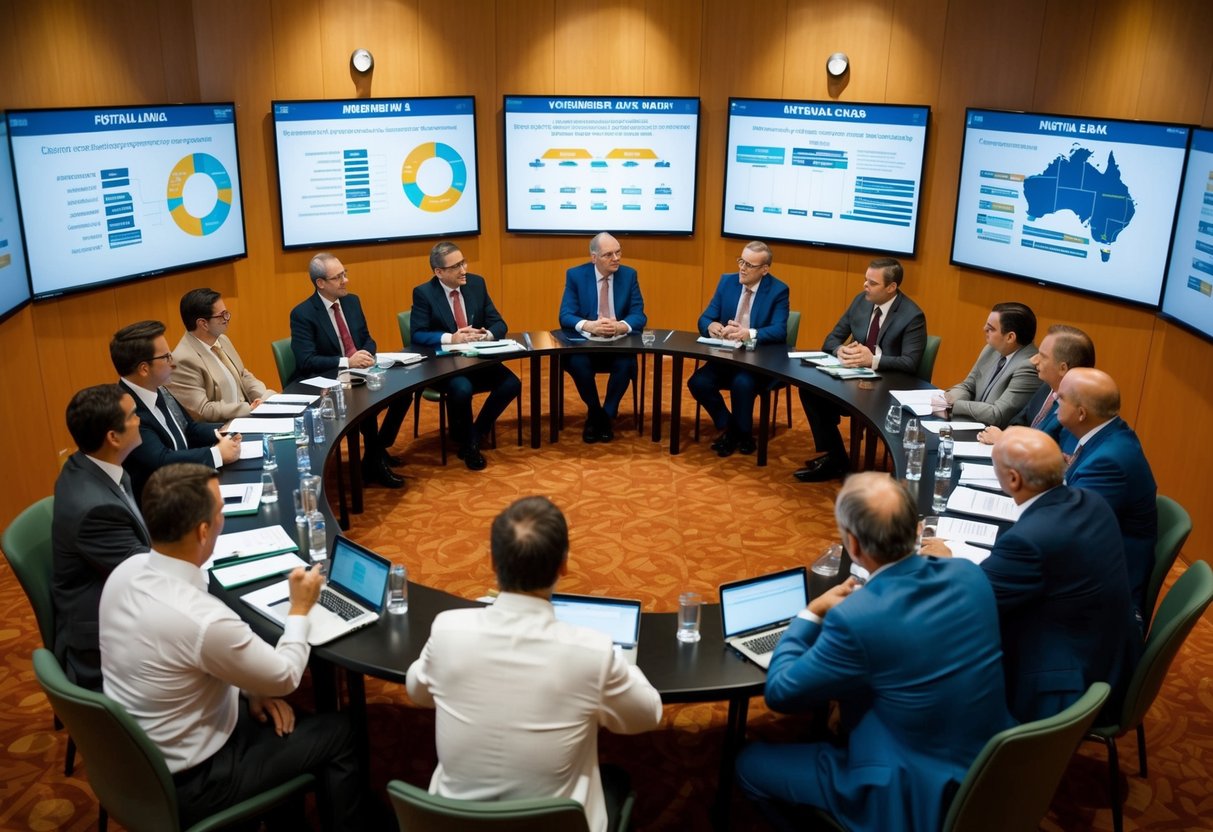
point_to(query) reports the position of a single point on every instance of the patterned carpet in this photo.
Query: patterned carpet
(643, 525)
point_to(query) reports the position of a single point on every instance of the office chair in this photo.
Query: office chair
(793, 335)
(419, 811)
(284, 360)
(1174, 526)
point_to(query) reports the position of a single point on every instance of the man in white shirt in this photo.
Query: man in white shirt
(520, 696)
(179, 661)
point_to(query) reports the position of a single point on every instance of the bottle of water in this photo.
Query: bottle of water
(317, 426)
(327, 410)
(317, 540)
(339, 396)
(303, 458)
(947, 452)
(915, 450)
(301, 429)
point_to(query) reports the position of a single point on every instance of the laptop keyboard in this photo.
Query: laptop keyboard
(763, 644)
(334, 603)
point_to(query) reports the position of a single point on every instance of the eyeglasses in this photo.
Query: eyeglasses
(225, 315)
(462, 264)
(747, 266)
(167, 358)
(337, 278)
(610, 255)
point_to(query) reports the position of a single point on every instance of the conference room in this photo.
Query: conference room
(645, 524)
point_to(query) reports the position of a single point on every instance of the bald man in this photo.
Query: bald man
(1109, 461)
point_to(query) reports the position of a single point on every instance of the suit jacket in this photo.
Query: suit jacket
(199, 389)
(1063, 602)
(914, 657)
(314, 341)
(768, 309)
(156, 450)
(1012, 389)
(1113, 465)
(432, 316)
(902, 338)
(1049, 424)
(93, 530)
(580, 300)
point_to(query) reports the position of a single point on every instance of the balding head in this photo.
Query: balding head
(1027, 462)
(1086, 398)
(876, 517)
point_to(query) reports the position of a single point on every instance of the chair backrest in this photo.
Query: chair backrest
(926, 364)
(284, 359)
(27, 546)
(1177, 615)
(125, 769)
(419, 811)
(793, 327)
(1011, 783)
(405, 320)
(1174, 526)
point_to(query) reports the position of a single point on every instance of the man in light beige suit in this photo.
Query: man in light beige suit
(210, 381)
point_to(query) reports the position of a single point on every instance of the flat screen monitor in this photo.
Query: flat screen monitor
(1188, 295)
(825, 173)
(371, 170)
(581, 164)
(14, 279)
(115, 193)
(1071, 201)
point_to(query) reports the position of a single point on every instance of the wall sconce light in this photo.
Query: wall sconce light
(837, 65)
(362, 60)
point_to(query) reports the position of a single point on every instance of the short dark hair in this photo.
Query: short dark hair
(890, 268)
(93, 412)
(1072, 346)
(529, 541)
(176, 499)
(132, 345)
(1018, 318)
(879, 511)
(439, 252)
(195, 304)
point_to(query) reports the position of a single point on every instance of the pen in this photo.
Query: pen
(667, 336)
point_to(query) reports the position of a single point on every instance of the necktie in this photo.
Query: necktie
(461, 320)
(1002, 362)
(170, 423)
(125, 488)
(347, 340)
(873, 331)
(743, 312)
(1074, 457)
(606, 309)
(1044, 409)
(231, 368)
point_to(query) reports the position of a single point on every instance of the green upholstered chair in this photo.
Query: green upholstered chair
(793, 335)
(126, 770)
(284, 359)
(1174, 526)
(1176, 616)
(419, 811)
(926, 364)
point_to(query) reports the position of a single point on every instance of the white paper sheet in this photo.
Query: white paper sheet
(277, 426)
(975, 450)
(982, 503)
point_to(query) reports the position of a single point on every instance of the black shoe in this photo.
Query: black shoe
(589, 434)
(472, 458)
(822, 469)
(720, 441)
(378, 472)
(606, 431)
(393, 460)
(746, 444)
(727, 444)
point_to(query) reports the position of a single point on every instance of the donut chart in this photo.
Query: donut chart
(205, 165)
(413, 162)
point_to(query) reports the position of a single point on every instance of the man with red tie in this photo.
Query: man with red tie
(329, 333)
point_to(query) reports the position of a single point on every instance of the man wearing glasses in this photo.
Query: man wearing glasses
(329, 333)
(454, 307)
(210, 380)
(749, 305)
(141, 357)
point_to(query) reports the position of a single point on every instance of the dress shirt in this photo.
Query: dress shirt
(148, 397)
(1089, 435)
(610, 279)
(177, 657)
(884, 318)
(343, 362)
(114, 472)
(520, 697)
(817, 619)
(448, 337)
(741, 299)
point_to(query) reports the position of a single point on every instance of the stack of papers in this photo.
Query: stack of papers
(974, 449)
(272, 540)
(398, 359)
(277, 426)
(982, 503)
(970, 531)
(826, 360)
(981, 476)
(935, 424)
(276, 409)
(292, 398)
(247, 570)
(917, 402)
(321, 382)
(718, 342)
(809, 354)
(480, 347)
(249, 494)
(251, 450)
(845, 373)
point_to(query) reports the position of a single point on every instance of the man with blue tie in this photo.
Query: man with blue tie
(749, 304)
(602, 300)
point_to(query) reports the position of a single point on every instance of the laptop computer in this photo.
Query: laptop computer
(619, 618)
(352, 599)
(756, 611)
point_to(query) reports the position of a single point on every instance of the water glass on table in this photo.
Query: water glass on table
(648, 337)
(690, 605)
(398, 589)
(928, 528)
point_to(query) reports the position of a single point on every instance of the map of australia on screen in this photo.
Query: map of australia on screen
(1098, 198)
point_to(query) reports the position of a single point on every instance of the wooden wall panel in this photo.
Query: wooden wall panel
(31, 455)
(1176, 49)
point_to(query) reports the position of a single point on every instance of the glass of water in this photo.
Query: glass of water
(648, 337)
(690, 605)
(892, 421)
(398, 589)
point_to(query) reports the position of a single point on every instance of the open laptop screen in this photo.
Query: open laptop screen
(762, 601)
(619, 618)
(359, 573)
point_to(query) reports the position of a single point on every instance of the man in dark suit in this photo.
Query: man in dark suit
(1003, 378)
(602, 300)
(329, 333)
(1059, 576)
(96, 525)
(749, 304)
(454, 307)
(141, 356)
(913, 659)
(1109, 460)
(882, 329)
(1061, 350)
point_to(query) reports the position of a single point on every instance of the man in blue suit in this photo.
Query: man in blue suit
(1109, 460)
(454, 307)
(602, 300)
(914, 660)
(750, 303)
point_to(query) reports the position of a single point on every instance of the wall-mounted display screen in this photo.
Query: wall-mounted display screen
(1071, 201)
(14, 279)
(1188, 296)
(580, 164)
(115, 193)
(376, 169)
(825, 173)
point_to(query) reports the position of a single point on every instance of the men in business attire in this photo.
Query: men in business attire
(141, 357)
(180, 661)
(210, 381)
(329, 333)
(882, 329)
(914, 661)
(454, 307)
(750, 303)
(602, 298)
(1058, 574)
(520, 695)
(1062, 349)
(1003, 379)
(1109, 461)
(96, 525)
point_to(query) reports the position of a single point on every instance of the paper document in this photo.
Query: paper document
(248, 570)
(276, 409)
(270, 540)
(251, 450)
(321, 382)
(399, 359)
(935, 424)
(826, 360)
(971, 531)
(249, 494)
(917, 402)
(277, 426)
(960, 549)
(807, 354)
(292, 398)
(974, 449)
(982, 476)
(605, 338)
(718, 342)
(845, 373)
(982, 503)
